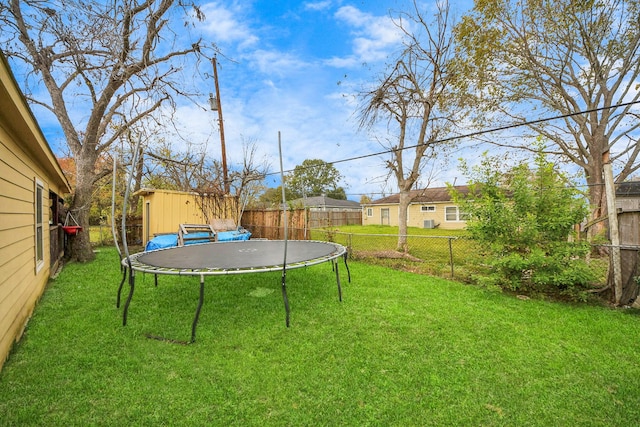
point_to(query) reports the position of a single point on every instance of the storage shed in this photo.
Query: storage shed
(164, 210)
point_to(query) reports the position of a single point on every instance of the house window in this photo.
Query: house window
(369, 211)
(452, 213)
(39, 226)
(428, 208)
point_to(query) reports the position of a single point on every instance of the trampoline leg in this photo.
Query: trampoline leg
(284, 297)
(132, 284)
(347, 266)
(335, 263)
(124, 276)
(200, 301)
(155, 277)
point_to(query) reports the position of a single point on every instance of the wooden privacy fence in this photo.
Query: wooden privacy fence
(269, 223)
(319, 219)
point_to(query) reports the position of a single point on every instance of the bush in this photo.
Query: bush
(524, 219)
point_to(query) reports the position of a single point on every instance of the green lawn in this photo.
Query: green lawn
(432, 250)
(393, 230)
(400, 350)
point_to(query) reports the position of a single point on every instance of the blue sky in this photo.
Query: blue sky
(294, 67)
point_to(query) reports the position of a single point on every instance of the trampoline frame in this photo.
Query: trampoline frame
(132, 264)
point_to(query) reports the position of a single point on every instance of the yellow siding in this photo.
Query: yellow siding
(415, 216)
(163, 211)
(20, 284)
(25, 159)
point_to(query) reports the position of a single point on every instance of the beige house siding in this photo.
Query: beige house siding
(386, 211)
(164, 210)
(26, 161)
(416, 217)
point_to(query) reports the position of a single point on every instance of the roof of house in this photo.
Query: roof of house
(425, 195)
(18, 116)
(326, 202)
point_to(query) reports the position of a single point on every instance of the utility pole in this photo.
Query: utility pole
(216, 105)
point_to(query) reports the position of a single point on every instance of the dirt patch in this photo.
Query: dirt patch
(388, 255)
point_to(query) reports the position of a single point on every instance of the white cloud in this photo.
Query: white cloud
(224, 24)
(343, 62)
(374, 36)
(272, 61)
(318, 5)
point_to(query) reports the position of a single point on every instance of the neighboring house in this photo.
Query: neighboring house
(32, 185)
(324, 204)
(430, 208)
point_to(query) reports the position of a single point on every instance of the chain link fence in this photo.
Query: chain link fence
(445, 256)
(102, 235)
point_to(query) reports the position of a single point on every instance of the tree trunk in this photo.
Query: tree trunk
(403, 207)
(597, 199)
(80, 246)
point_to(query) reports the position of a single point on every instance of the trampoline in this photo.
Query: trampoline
(234, 257)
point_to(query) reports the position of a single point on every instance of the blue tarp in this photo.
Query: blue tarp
(171, 240)
(226, 236)
(162, 241)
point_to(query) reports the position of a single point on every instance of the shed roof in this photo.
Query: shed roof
(628, 189)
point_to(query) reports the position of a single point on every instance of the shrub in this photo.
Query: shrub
(524, 219)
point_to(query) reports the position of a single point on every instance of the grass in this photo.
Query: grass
(388, 229)
(400, 350)
(432, 250)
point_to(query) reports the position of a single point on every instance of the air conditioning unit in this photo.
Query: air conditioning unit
(429, 223)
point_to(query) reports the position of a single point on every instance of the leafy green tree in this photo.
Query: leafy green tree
(338, 194)
(522, 60)
(364, 199)
(272, 197)
(523, 219)
(315, 177)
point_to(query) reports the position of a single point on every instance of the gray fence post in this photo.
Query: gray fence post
(451, 255)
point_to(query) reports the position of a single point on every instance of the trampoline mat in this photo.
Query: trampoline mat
(251, 254)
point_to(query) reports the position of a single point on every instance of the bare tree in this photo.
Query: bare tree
(247, 180)
(116, 61)
(193, 171)
(523, 60)
(411, 99)
(170, 169)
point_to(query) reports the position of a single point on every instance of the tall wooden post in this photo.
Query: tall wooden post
(218, 107)
(614, 233)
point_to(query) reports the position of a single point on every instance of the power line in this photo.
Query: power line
(477, 133)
